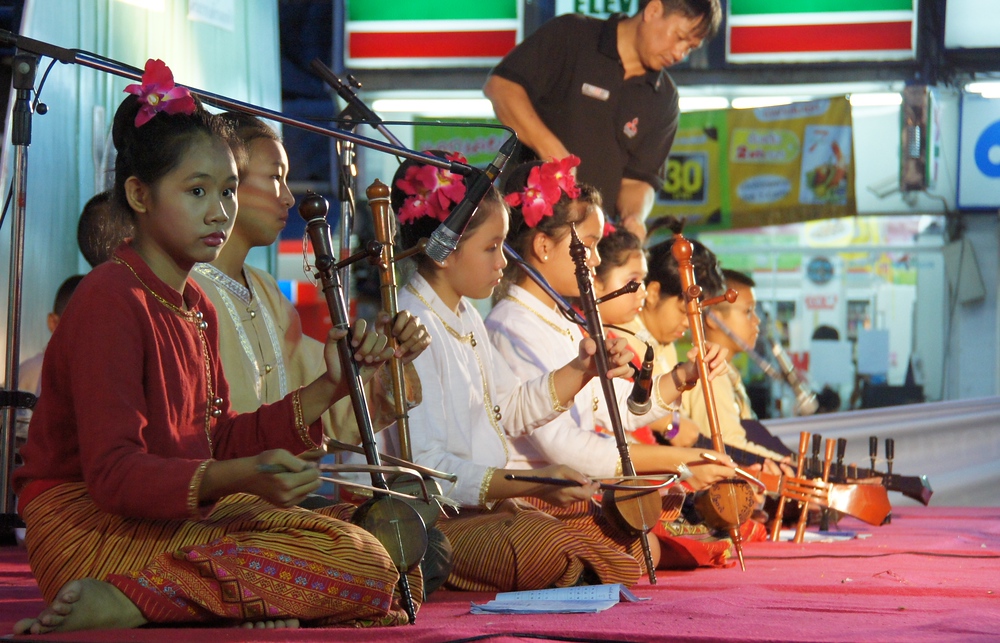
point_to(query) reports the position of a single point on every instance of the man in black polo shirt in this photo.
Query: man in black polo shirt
(598, 89)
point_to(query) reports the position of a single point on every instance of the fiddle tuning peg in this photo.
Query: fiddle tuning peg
(890, 454)
(313, 206)
(815, 464)
(841, 452)
(824, 516)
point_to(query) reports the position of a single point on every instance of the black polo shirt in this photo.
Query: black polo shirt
(573, 75)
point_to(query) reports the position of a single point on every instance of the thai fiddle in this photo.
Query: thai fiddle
(726, 504)
(637, 510)
(397, 525)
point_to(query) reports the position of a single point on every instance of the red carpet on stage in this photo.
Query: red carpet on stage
(933, 574)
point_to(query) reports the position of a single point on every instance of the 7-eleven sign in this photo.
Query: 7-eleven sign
(412, 33)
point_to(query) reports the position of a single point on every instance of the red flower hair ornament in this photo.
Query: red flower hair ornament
(157, 93)
(430, 191)
(546, 184)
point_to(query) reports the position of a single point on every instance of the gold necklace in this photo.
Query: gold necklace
(559, 329)
(595, 402)
(213, 405)
(492, 411)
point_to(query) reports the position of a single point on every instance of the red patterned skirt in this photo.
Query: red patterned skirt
(248, 561)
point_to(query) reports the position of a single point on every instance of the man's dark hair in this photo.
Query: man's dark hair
(707, 12)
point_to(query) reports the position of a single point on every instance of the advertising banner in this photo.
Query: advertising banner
(696, 172)
(766, 166)
(479, 145)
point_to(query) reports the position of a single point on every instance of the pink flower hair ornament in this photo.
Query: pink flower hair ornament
(158, 93)
(545, 186)
(430, 191)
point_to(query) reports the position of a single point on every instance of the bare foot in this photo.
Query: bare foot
(86, 604)
(278, 624)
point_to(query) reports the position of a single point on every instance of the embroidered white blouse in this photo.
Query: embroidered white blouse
(533, 338)
(471, 399)
(265, 353)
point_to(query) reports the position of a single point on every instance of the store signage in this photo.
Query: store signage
(783, 31)
(821, 302)
(971, 24)
(748, 168)
(402, 33)
(819, 270)
(979, 153)
(597, 8)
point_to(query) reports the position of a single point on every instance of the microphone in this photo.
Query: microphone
(805, 399)
(639, 402)
(444, 240)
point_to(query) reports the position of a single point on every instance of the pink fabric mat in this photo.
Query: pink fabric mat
(933, 574)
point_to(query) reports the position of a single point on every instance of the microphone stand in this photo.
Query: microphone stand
(564, 306)
(23, 80)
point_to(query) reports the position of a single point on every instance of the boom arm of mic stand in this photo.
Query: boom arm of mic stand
(368, 116)
(107, 65)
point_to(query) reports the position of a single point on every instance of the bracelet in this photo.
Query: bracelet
(678, 384)
(675, 426)
(683, 472)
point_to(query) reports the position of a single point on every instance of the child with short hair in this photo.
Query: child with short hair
(146, 499)
(264, 352)
(731, 400)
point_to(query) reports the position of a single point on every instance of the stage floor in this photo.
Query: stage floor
(932, 574)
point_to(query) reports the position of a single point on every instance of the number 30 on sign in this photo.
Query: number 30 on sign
(684, 179)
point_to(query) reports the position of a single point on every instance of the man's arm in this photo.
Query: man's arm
(514, 109)
(635, 201)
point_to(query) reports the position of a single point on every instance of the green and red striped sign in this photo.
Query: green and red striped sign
(820, 30)
(410, 33)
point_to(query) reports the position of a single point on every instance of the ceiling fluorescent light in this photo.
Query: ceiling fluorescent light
(980, 86)
(753, 102)
(876, 99)
(696, 103)
(986, 88)
(468, 107)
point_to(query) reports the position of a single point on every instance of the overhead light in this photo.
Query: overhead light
(753, 102)
(986, 88)
(467, 107)
(876, 99)
(697, 103)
